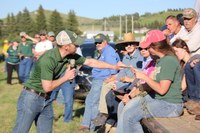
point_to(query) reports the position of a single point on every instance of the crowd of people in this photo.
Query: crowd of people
(156, 77)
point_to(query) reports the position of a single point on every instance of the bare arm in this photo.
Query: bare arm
(32, 39)
(48, 85)
(160, 87)
(100, 64)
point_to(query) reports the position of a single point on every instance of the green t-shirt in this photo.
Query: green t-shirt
(49, 67)
(13, 57)
(26, 50)
(168, 68)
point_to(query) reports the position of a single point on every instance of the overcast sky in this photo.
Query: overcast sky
(93, 8)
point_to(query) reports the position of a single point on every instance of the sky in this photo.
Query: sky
(92, 8)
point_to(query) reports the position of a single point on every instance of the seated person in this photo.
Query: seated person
(165, 81)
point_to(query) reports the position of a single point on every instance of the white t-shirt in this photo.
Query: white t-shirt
(194, 40)
(43, 46)
(182, 34)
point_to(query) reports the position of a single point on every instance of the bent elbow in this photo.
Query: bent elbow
(46, 89)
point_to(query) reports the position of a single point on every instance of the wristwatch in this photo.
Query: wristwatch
(129, 96)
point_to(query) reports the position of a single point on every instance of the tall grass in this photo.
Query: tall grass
(8, 101)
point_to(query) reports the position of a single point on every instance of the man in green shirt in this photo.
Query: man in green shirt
(26, 60)
(34, 103)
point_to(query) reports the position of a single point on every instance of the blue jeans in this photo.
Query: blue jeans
(32, 107)
(129, 115)
(25, 66)
(112, 105)
(92, 104)
(67, 97)
(193, 81)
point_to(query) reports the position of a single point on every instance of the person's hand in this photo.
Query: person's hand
(120, 66)
(114, 86)
(126, 99)
(138, 74)
(109, 79)
(194, 62)
(70, 73)
(166, 32)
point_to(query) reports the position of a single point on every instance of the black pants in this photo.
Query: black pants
(10, 68)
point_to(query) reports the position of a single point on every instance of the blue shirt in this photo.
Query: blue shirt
(135, 61)
(109, 55)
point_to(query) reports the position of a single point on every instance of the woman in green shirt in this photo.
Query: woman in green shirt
(12, 61)
(165, 81)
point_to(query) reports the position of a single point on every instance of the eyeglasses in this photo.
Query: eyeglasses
(22, 37)
(42, 34)
(128, 44)
(97, 43)
(187, 19)
(140, 49)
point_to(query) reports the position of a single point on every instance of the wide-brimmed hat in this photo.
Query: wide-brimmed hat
(128, 38)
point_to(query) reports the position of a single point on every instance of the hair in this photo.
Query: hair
(179, 43)
(171, 17)
(164, 47)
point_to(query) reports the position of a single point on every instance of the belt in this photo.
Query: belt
(27, 56)
(44, 95)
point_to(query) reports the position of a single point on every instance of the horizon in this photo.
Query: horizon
(90, 9)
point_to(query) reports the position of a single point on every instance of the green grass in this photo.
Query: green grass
(8, 99)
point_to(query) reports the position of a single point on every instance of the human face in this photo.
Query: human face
(23, 39)
(130, 48)
(144, 52)
(180, 52)
(42, 37)
(190, 23)
(51, 38)
(100, 45)
(172, 25)
(72, 48)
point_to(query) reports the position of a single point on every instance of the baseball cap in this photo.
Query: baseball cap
(22, 33)
(189, 13)
(15, 40)
(152, 37)
(67, 37)
(5, 41)
(100, 38)
(51, 33)
(43, 32)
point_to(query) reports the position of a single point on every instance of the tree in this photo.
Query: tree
(27, 22)
(55, 22)
(72, 23)
(41, 20)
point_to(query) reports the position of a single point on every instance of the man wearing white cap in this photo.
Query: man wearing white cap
(34, 103)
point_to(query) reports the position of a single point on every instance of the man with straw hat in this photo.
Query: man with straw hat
(132, 58)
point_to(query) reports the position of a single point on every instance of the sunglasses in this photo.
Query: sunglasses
(42, 34)
(128, 44)
(97, 43)
(187, 18)
(140, 49)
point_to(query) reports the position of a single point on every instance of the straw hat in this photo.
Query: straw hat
(129, 38)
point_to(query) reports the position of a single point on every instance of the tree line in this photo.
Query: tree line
(13, 25)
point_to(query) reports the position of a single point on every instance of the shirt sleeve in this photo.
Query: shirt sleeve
(47, 69)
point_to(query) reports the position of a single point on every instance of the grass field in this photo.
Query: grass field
(8, 99)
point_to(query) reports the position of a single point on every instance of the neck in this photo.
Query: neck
(178, 29)
(63, 52)
(186, 57)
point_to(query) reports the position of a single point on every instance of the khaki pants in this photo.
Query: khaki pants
(102, 103)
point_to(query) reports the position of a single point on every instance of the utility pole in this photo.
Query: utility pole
(132, 24)
(120, 27)
(105, 24)
(126, 24)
